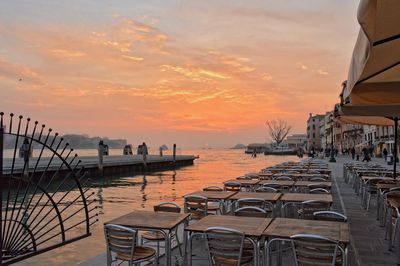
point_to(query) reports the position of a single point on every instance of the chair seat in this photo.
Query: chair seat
(153, 236)
(247, 258)
(140, 254)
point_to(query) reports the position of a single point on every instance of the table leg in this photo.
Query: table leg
(168, 248)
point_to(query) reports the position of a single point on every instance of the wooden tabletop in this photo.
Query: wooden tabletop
(300, 197)
(280, 182)
(150, 220)
(394, 202)
(366, 177)
(245, 182)
(285, 227)
(387, 186)
(250, 226)
(306, 183)
(273, 197)
(214, 195)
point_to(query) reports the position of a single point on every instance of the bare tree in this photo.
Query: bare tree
(278, 130)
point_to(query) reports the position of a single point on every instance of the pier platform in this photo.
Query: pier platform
(112, 165)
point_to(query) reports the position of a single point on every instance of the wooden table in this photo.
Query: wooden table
(285, 183)
(285, 228)
(220, 196)
(300, 197)
(303, 184)
(249, 183)
(272, 197)
(163, 222)
(252, 228)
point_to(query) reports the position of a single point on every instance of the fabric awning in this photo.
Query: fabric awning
(366, 115)
(374, 74)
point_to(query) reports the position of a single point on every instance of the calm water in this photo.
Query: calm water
(118, 196)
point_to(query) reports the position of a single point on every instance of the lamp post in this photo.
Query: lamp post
(332, 158)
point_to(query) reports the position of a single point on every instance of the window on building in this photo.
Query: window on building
(313, 135)
(313, 127)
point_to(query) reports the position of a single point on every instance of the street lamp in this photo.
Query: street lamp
(332, 158)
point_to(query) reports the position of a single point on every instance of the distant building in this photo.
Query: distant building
(313, 131)
(296, 141)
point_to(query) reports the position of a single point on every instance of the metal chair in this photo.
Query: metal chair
(319, 191)
(276, 186)
(255, 202)
(308, 208)
(370, 189)
(318, 179)
(251, 212)
(267, 189)
(121, 243)
(159, 237)
(214, 205)
(232, 186)
(225, 247)
(197, 206)
(243, 177)
(213, 188)
(311, 249)
(329, 216)
(318, 185)
(284, 178)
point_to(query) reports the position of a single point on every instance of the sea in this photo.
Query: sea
(117, 196)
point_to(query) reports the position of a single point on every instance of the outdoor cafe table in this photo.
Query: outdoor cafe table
(247, 183)
(163, 222)
(300, 197)
(286, 227)
(295, 198)
(252, 228)
(220, 196)
(305, 184)
(303, 176)
(286, 183)
(270, 197)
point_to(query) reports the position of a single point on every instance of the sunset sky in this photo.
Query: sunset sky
(185, 72)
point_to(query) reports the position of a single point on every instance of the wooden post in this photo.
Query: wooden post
(101, 154)
(174, 154)
(144, 153)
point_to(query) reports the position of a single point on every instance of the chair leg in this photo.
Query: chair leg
(368, 201)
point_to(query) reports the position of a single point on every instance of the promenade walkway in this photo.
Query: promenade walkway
(367, 237)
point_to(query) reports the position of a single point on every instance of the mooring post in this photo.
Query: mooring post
(101, 154)
(25, 154)
(144, 153)
(174, 154)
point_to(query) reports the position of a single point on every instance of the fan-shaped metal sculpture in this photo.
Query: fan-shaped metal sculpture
(45, 202)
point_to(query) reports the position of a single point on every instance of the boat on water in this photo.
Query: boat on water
(281, 151)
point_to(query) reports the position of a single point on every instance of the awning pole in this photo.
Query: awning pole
(396, 124)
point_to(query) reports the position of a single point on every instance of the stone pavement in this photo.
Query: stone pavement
(369, 246)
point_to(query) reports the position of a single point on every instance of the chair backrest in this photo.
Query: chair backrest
(319, 191)
(253, 202)
(292, 172)
(120, 239)
(224, 245)
(329, 216)
(273, 185)
(232, 186)
(371, 184)
(314, 171)
(288, 178)
(196, 205)
(315, 250)
(243, 177)
(267, 189)
(167, 207)
(251, 212)
(308, 208)
(252, 175)
(318, 185)
(318, 179)
(213, 188)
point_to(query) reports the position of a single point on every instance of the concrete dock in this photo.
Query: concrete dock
(112, 165)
